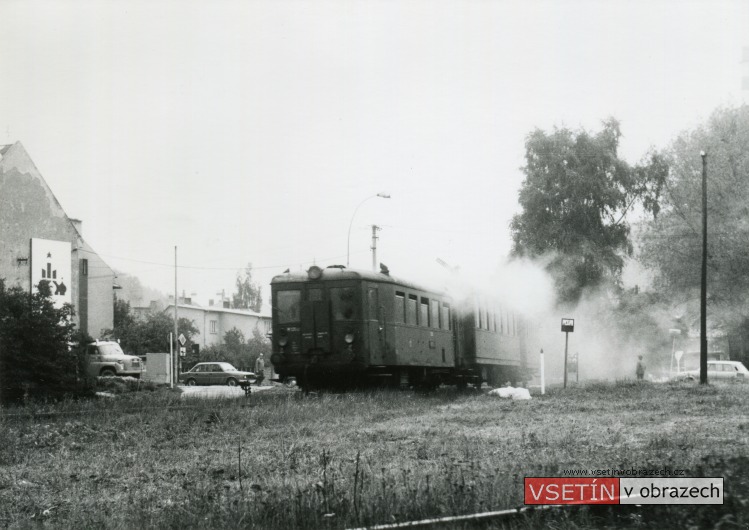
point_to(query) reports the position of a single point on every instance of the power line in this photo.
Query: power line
(195, 267)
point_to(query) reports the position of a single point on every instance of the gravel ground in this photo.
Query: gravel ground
(218, 391)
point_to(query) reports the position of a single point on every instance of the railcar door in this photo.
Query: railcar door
(315, 321)
(376, 326)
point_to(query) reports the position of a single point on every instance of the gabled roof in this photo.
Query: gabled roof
(215, 309)
(14, 157)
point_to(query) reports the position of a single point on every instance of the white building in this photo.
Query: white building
(213, 322)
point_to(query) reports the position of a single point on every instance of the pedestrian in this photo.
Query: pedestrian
(260, 370)
(640, 370)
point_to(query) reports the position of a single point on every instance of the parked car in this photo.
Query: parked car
(216, 374)
(106, 358)
(719, 371)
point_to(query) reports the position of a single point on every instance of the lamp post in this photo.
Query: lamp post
(703, 289)
(348, 242)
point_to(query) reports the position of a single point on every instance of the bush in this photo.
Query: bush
(36, 354)
(120, 385)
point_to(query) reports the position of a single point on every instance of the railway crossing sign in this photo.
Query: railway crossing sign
(568, 326)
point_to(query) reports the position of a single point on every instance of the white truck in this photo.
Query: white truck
(106, 358)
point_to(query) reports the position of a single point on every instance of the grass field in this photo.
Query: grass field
(281, 459)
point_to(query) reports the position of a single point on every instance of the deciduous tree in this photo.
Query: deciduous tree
(36, 357)
(671, 245)
(575, 199)
(249, 295)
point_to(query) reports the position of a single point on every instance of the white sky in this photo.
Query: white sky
(249, 131)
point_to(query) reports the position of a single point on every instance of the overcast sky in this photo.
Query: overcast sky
(250, 131)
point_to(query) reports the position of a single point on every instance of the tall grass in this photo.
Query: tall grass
(281, 459)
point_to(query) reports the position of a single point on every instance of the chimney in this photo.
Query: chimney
(78, 225)
(227, 304)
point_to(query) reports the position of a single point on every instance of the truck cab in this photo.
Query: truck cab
(106, 358)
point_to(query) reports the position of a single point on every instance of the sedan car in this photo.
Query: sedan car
(216, 374)
(720, 371)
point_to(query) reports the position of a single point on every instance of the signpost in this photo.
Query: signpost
(568, 326)
(543, 378)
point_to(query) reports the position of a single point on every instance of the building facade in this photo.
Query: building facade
(39, 242)
(213, 322)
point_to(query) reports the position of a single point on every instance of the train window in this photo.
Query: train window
(314, 295)
(501, 321)
(478, 315)
(374, 313)
(400, 307)
(343, 303)
(287, 306)
(411, 309)
(434, 313)
(446, 323)
(424, 312)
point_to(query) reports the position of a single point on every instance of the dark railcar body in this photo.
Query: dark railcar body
(343, 327)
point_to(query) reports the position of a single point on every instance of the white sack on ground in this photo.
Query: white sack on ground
(511, 393)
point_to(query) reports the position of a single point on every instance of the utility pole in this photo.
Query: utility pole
(175, 376)
(375, 228)
(703, 289)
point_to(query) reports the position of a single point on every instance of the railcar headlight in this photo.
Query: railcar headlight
(314, 272)
(349, 338)
(283, 339)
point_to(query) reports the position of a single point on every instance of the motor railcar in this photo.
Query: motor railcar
(339, 327)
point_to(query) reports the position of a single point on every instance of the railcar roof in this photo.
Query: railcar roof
(338, 273)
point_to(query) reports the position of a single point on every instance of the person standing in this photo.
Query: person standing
(640, 370)
(260, 369)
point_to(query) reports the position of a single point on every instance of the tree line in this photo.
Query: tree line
(585, 212)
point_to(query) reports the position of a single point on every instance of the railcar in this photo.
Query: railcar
(339, 327)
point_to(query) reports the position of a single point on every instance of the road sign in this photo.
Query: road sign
(568, 325)
(182, 351)
(182, 339)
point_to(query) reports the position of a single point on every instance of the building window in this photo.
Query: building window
(212, 328)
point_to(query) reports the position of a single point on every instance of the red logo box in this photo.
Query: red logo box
(571, 490)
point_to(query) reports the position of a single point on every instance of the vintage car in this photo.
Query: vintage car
(719, 371)
(216, 373)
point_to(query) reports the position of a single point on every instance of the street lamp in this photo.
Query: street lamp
(348, 242)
